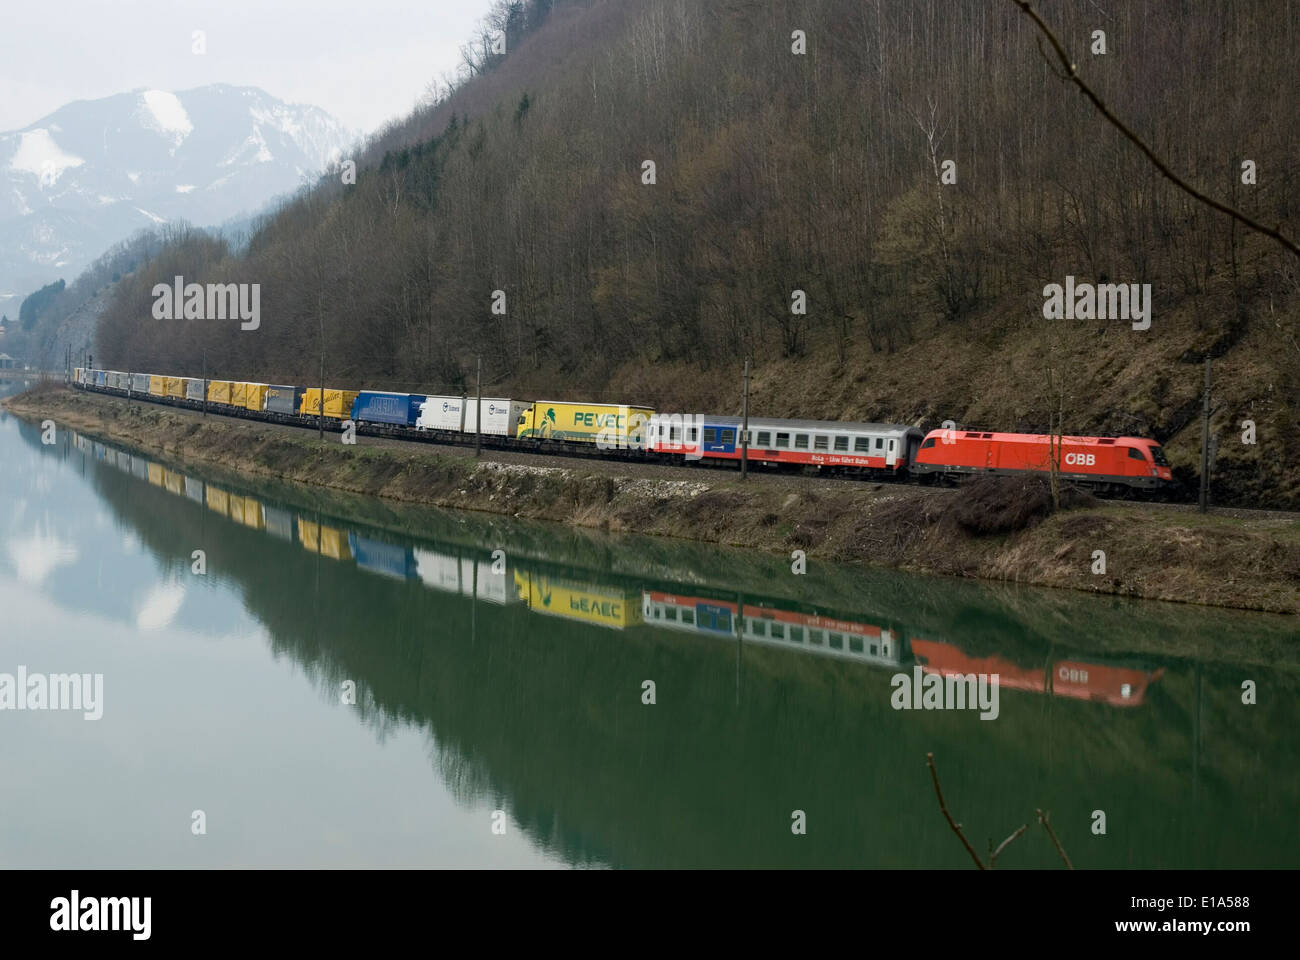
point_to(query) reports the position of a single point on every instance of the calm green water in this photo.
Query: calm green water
(516, 685)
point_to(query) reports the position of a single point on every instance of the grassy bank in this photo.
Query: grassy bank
(1003, 532)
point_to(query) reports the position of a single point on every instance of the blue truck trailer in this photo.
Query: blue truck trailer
(374, 406)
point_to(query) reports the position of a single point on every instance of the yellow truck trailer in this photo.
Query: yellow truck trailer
(253, 513)
(219, 391)
(157, 385)
(320, 538)
(175, 387)
(604, 424)
(338, 403)
(602, 605)
(245, 510)
(218, 500)
(254, 396)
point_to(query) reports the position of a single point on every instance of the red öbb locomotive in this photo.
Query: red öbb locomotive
(1106, 464)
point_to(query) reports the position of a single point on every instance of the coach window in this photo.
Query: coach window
(855, 644)
(880, 443)
(692, 435)
(796, 634)
(821, 442)
(816, 636)
(861, 444)
(688, 615)
(1136, 454)
(801, 441)
(778, 631)
(841, 444)
(764, 438)
(710, 435)
(760, 628)
(728, 437)
(783, 440)
(674, 434)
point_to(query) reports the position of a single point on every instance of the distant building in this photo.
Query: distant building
(7, 362)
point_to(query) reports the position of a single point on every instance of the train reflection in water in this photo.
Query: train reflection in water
(598, 598)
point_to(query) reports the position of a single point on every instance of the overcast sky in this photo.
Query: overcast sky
(364, 61)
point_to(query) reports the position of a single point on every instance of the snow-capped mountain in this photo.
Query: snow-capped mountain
(95, 171)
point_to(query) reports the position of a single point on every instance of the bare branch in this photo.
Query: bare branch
(943, 808)
(993, 857)
(1072, 74)
(1042, 818)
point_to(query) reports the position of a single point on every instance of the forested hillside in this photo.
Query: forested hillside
(822, 171)
(60, 319)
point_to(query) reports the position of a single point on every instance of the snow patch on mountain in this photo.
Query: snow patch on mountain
(163, 113)
(39, 155)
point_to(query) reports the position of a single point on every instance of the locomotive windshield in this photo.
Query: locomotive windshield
(1158, 455)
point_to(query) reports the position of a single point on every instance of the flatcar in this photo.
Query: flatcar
(1107, 464)
(879, 449)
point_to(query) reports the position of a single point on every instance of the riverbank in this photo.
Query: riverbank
(1233, 559)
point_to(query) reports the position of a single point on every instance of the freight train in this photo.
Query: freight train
(1108, 465)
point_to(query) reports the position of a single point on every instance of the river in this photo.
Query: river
(530, 695)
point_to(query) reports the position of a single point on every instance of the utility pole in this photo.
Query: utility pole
(205, 378)
(1205, 442)
(320, 421)
(744, 428)
(478, 411)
